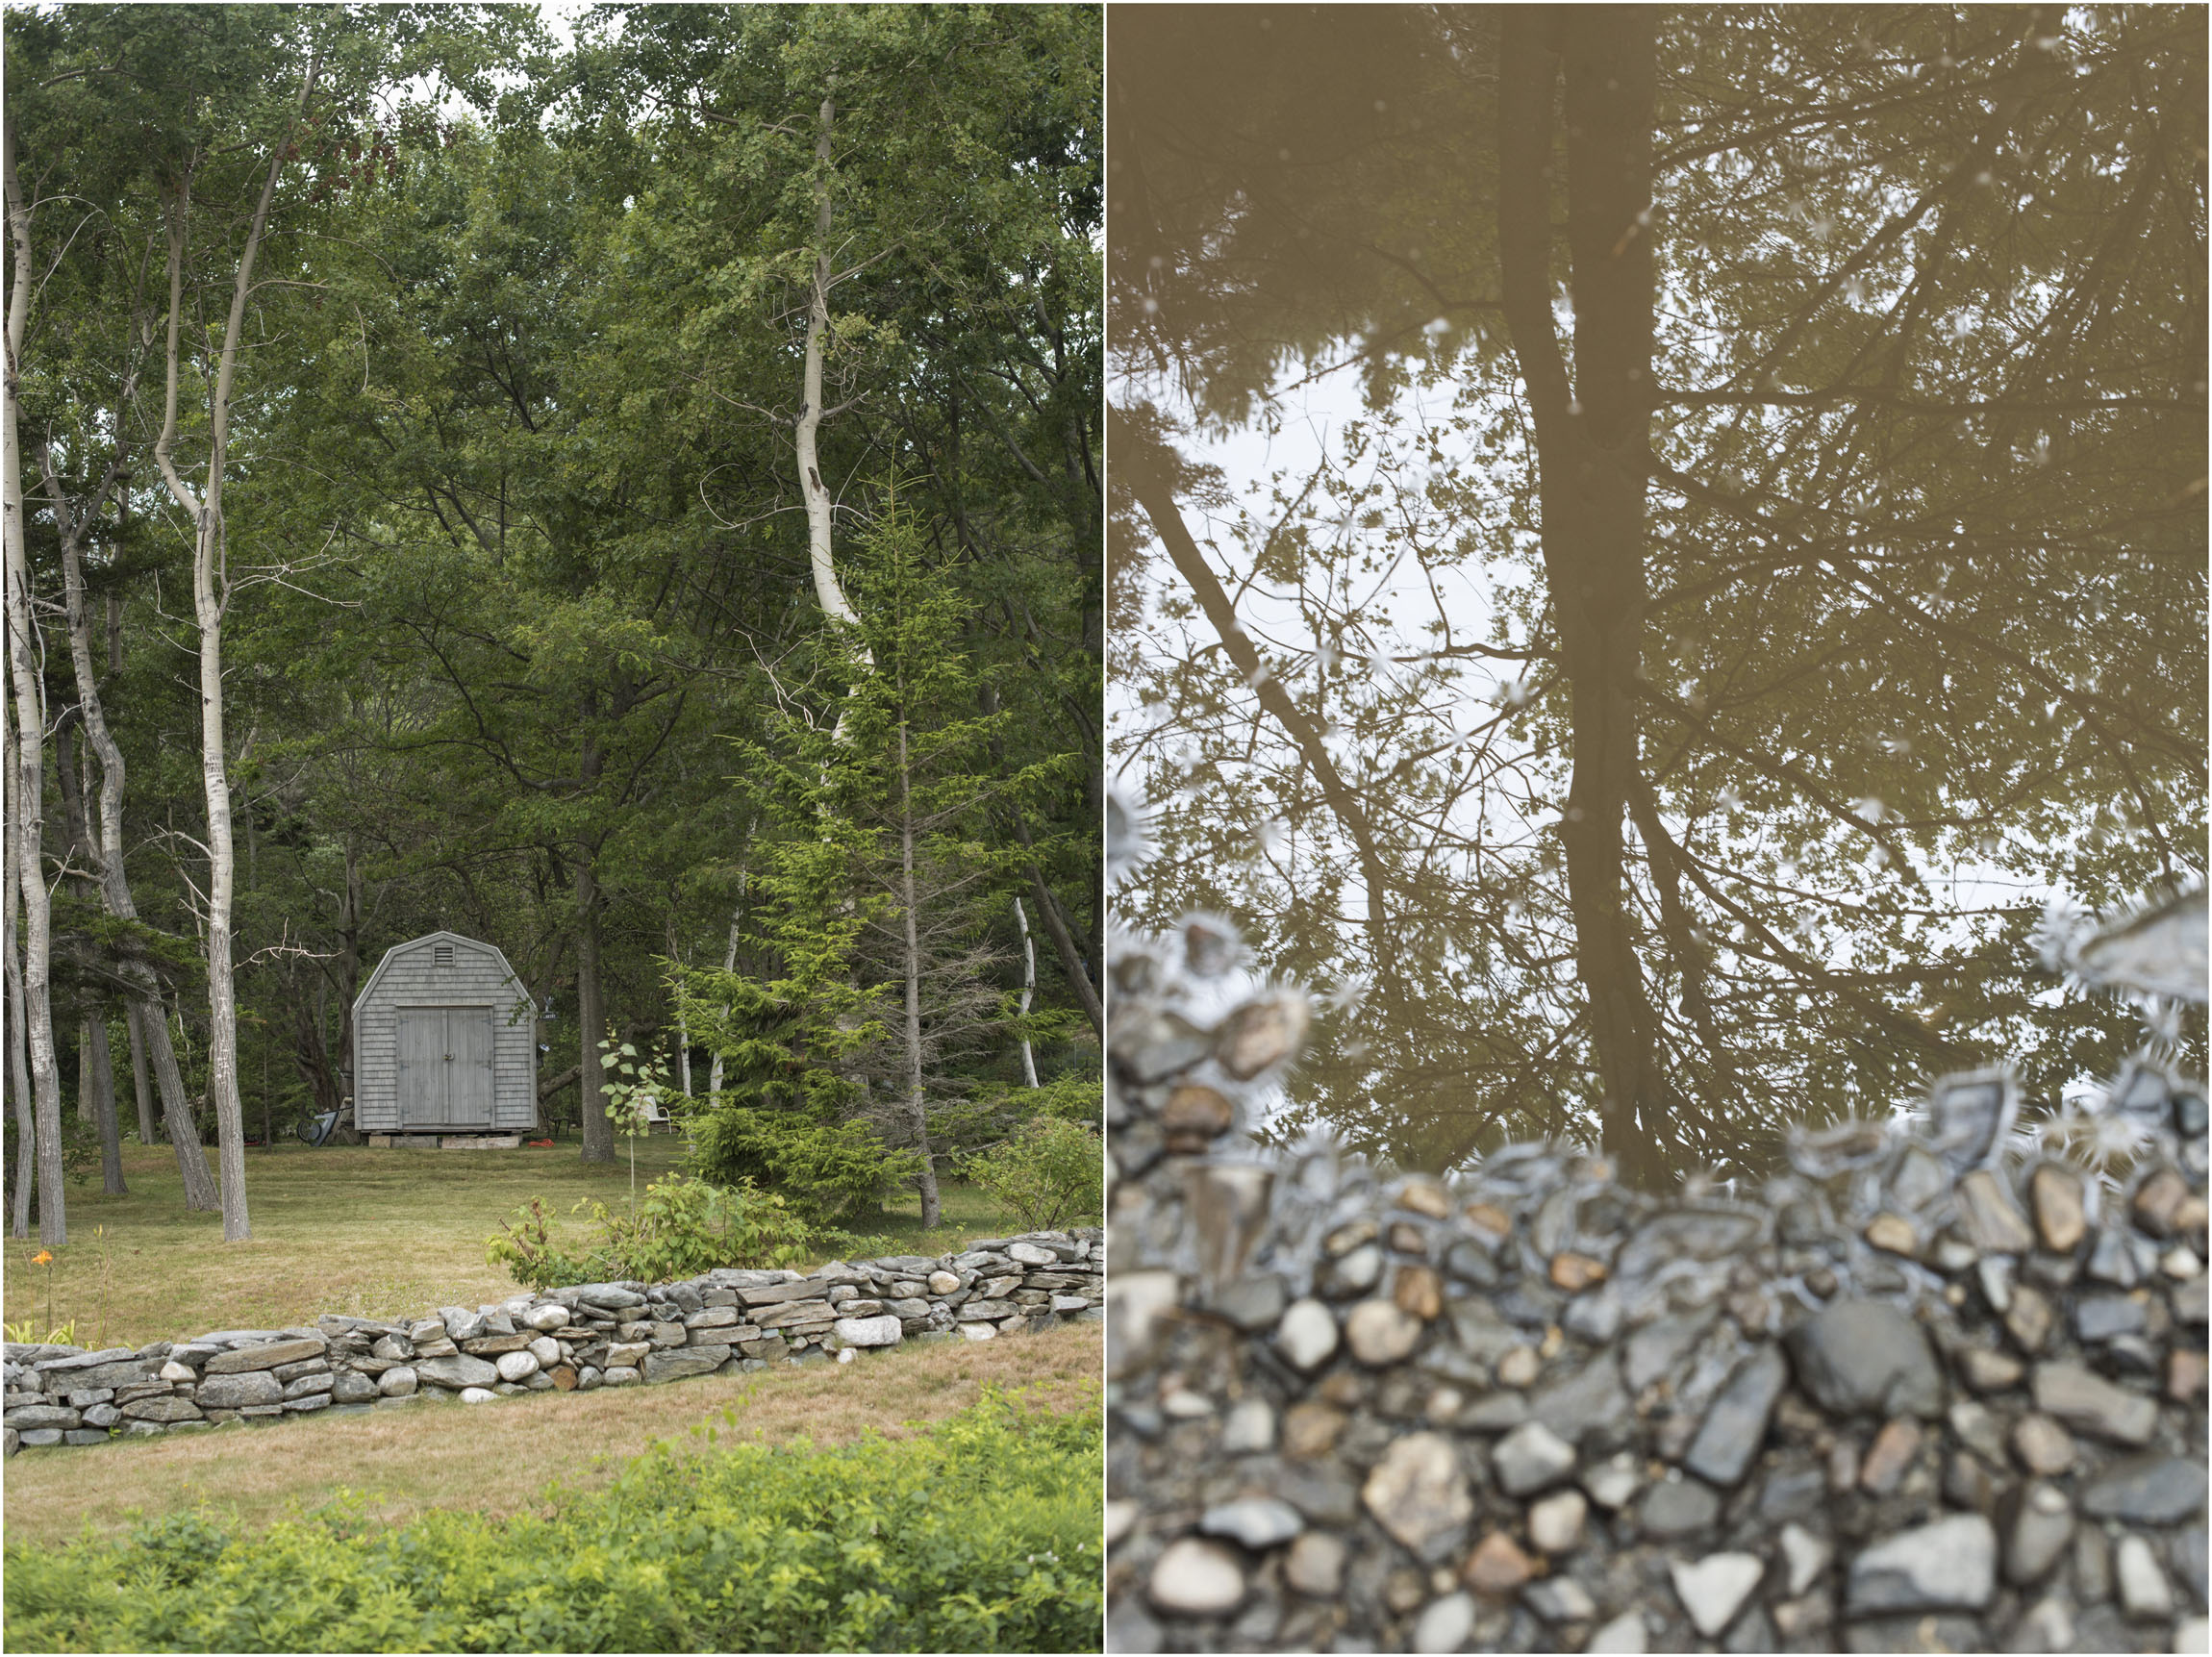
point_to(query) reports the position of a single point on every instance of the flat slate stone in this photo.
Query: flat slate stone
(243, 1359)
(1736, 1426)
(2087, 1402)
(458, 1371)
(676, 1363)
(2144, 1490)
(1948, 1566)
(238, 1392)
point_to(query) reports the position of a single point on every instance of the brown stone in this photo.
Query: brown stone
(1310, 1430)
(2158, 1202)
(1197, 1111)
(563, 1377)
(2042, 1445)
(1575, 1272)
(2056, 1196)
(2029, 1318)
(1497, 1565)
(1407, 1239)
(246, 1358)
(1843, 1465)
(1988, 1371)
(1419, 1291)
(1425, 1196)
(1992, 1220)
(2184, 1375)
(1260, 1034)
(1894, 1234)
(1888, 1458)
(1490, 1217)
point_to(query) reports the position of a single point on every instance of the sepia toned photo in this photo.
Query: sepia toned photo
(1656, 736)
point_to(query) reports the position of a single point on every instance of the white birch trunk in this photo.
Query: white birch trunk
(30, 719)
(916, 1105)
(1028, 989)
(729, 965)
(211, 598)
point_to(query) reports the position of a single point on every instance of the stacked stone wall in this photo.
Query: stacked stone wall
(576, 1339)
(1938, 1387)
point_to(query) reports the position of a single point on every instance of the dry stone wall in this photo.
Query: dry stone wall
(1934, 1389)
(576, 1340)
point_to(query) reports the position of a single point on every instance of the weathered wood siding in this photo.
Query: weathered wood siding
(478, 977)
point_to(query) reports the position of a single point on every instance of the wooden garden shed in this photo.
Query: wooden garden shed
(445, 1042)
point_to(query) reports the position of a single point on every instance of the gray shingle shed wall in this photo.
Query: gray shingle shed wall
(469, 982)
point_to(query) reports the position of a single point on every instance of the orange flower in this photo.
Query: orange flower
(42, 1258)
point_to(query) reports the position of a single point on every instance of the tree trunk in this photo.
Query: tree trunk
(829, 591)
(916, 1108)
(24, 1169)
(141, 1086)
(149, 1018)
(1028, 989)
(599, 1132)
(29, 721)
(99, 1072)
(729, 965)
(1593, 452)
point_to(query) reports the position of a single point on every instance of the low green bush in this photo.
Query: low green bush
(981, 1535)
(1052, 1174)
(827, 1170)
(680, 1229)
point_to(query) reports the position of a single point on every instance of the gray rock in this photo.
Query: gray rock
(1948, 1566)
(1625, 1633)
(30, 1416)
(621, 1375)
(882, 1331)
(477, 1396)
(239, 1392)
(1443, 1624)
(1736, 1426)
(352, 1387)
(1557, 1600)
(2087, 1402)
(1863, 1357)
(1381, 1332)
(1255, 1522)
(38, 1438)
(674, 1363)
(1196, 1579)
(2144, 1490)
(163, 1410)
(242, 1360)
(102, 1415)
(2041, 1526)
(1806, 1555)
(455, 1371)
(1531, 1458)
(1714, 1588)
(1677, 1507)
(2144, 1591)
(1592, 1397)
(463, 1324)
(515, 1367)
(397, 1383)
(307, 1386)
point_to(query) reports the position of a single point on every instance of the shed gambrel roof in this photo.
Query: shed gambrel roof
(426, 940)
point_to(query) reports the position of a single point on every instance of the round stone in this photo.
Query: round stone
(1445, 1624)
(1307, 1334)
(1555, 1523)
(1256, 1521)
(518, 1366)
(1381, 1332)
(1948, 1566)
(979, 1331)
(1417, 1492)
(2042, 1445)
(1197, 1578)
(1530, 1458)
(397, 1383)
(1315, 1564)
(942, 1282)
(1864, 1357)
(1625, 1633)
(477, 1394)
(546, 1350)
(546, 1319)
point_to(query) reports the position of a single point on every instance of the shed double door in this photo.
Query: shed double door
(445, 1067)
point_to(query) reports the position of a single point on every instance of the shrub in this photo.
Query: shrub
(981, 1535)
(1052, 1174)
(827, 1170)
(683, 1227)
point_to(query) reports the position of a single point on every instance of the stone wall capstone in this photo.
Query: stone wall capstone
(1937, 1387)
(576, 1339)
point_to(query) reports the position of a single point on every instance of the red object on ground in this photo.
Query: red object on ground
(543, 1144)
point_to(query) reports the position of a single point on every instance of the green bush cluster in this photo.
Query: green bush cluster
(680, 1229)
(829, 1171)
(981, 1535)
(1050, 1174)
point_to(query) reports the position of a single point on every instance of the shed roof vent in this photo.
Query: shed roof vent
(442, 954)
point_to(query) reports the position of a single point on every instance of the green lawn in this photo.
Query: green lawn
(370, 1233)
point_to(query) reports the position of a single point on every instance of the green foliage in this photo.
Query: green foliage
(682, 1228)
(1052, 1174)
(825, 1171)
(981, 1535)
